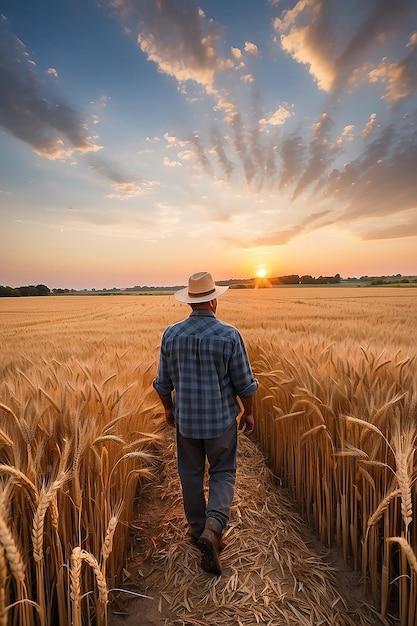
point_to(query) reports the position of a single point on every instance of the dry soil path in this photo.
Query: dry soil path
(274, 573)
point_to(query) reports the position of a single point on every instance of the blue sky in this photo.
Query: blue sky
(142, 141)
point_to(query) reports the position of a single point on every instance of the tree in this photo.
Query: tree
(28, 290)
(307, 279)
(7, 292)
(43, 290)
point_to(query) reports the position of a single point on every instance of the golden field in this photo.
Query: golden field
(80, 429)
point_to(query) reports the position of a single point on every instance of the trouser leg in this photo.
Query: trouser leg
(191, 460)
(221, 455)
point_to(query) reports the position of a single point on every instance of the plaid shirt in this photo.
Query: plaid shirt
(205, 361)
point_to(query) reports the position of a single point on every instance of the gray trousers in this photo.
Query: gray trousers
(191, 458)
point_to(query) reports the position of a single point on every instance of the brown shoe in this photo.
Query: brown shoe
(209, 544)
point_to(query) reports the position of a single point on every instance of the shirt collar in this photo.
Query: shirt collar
(203, 313)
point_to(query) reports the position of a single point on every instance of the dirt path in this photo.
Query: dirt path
(273, 572)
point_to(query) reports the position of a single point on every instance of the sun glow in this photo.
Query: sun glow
(261, 272)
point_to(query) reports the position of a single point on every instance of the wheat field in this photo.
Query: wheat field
(80, 433)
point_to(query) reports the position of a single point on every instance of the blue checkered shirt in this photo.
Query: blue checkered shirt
(205, 361)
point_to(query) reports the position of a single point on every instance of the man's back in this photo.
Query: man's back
(205, 361)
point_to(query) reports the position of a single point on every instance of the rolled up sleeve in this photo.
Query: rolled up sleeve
(163, 383)
(241, 374)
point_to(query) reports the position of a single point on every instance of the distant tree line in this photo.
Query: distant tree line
(295, 279)
(26, 290)
(153, 288)
(291, 279)
(393, 281)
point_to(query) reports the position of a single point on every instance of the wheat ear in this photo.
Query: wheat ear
(405, 487)
(5, 439)
(382, 507)
(103, 592)
(108, 540)
(3, 579)
(13, 555)
(19, 477)
(407, 549)
(39, 518)
(75, 585)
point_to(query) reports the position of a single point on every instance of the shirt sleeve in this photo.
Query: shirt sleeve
(163, 383)
(241, 374)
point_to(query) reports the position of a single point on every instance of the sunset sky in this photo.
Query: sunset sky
(144, 140)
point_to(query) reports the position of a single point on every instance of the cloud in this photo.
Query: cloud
(124, 187)
(316, 33)
(370, 125)
(51, 126)
(380, 25)
(380, 183)
(277, 118)
(251, 48)
(186, 155)
(404, 225)
(227, 165)
(285, 235)
(304, 164)
(306, 34)
(346, 135)
(127, 189)
(176, 37)
(293, 151)
(400, 78)
(200, 152)
(169, 163)
(321, 152)
(183, 44)
(247, 78)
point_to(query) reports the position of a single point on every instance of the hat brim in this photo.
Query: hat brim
(182, 295)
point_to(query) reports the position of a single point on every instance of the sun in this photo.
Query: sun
(261, 272)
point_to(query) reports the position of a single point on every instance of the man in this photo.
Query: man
(203, 369)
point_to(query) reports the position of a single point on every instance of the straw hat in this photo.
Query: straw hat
(201, 288)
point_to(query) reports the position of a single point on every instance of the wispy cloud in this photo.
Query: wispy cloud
(176, 37)
(287, 233)
(278, 117)
(319, 35)
(124, 187)
(51, 126)
(382, 181)
(400, 78)
(321, 153)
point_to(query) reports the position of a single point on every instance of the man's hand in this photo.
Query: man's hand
(247, 424)
(169, 417)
